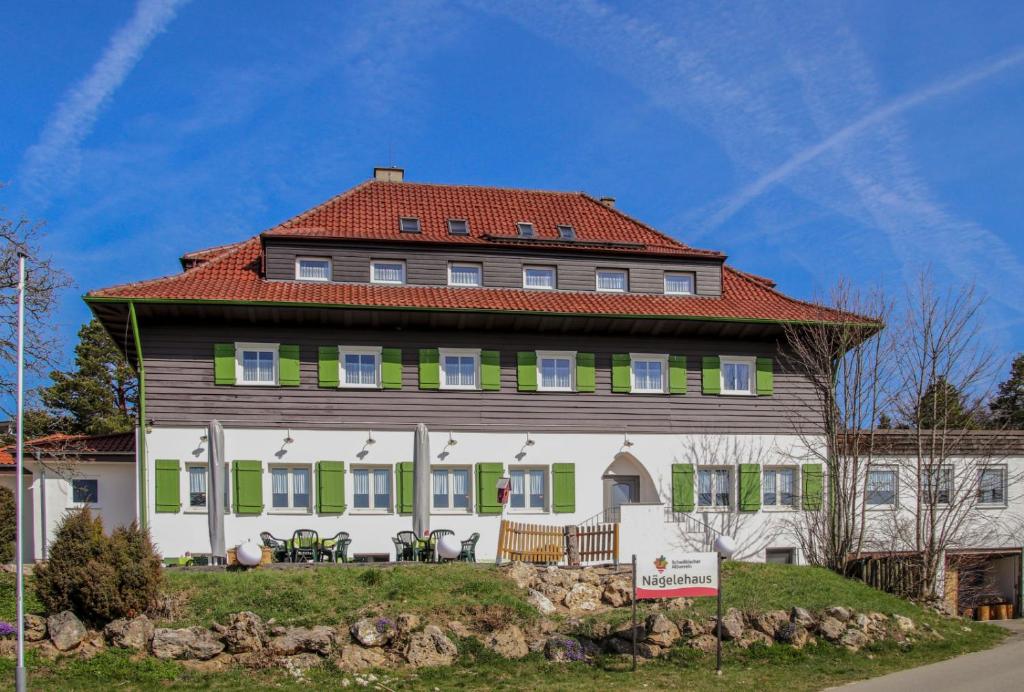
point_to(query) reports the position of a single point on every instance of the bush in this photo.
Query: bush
(8, 525)
(99, 577)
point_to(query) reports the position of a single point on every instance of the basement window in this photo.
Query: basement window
(526, 229)
(566, 232)
(458, 227)
(409, 224)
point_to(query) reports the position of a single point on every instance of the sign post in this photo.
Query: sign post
(718, 621)
(634, 612)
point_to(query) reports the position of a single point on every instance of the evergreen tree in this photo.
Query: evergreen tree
(101, 394)
(1008, 405)
(942, 407)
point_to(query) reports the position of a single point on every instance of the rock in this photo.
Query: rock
(694, 628)
(35, 628)
(732, 625)
(703, 642)
(66, 630)
(522, 574)
(678, 603)
(661, 631)
(831, 628)
(508, 642)
(245, 632)
(600, 630)
(316, 640)
(625, 631)
(564, 578)
(44, 649)
(192, 642)
(794, 634)
(355, 658)
(407, 622)
(134, 634)
(218, 628)
(854, 639)
(588, 575)
(839, 613)
(92, 644)
(563, 650)
(582, 597)
(770, 622)
(373, 631)
(751, 637)
(801, 616)
(541, 602)
(556, 594)
(617, 593)
(288, 644)
(298, 665)
(430, 648)
(276, 630)
(217, 664)
(903, 623)
(458, 629)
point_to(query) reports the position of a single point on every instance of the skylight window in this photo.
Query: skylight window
(458, 227)
(409, 224)
(566, 232)
(525, 229)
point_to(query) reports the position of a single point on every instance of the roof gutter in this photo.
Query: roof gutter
(140, 430)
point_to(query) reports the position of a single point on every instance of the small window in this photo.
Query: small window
(779, 487)
(556, 371)
(382, 272)
(780, 556)
(197, 487)
(714, 488)
(458, 227)
(290, 488)
(459, 368)
(566, 232)
(360, 367)
(85, 491)
(529, 489)
(881, 488)
(937, 485)
(256, 364)
(450, 489)
(737, 375)
(649, 373)
(526, 229)
(313, 269)
(992, 486)
(678, 284)
(409, 224)
(612, 280)
(464, 274)
(541, 278)
(371, 490)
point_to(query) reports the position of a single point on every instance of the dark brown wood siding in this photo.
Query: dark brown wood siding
(502, 267)
(180, 389)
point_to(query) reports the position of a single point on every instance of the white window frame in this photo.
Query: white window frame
(474, 353)
(541, 267)
(469, 489)
(526, 509)
(751, 362)
(896, 488)
(343, 351)
(571, 356)
(693, 284)
(189, 507)
(530, 224)
(298, 266)
(71, 492)
(373, 272)
(308, 468)
(1004, 471)
(475, 265)
(662, 358)
(941, 470)
(452, 232)
(241, 347)
(730, 480)
(625, 282)
(373, 509)
(795, 495)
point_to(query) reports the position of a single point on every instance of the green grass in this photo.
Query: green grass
(7, 597)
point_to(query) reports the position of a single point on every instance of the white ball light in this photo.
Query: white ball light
(725, 546)
(249, 554)
(449, 547)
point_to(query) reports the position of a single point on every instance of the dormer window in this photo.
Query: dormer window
(313, 269)
(566, 232)
(409, 224)
(525, 229)
(458, 227)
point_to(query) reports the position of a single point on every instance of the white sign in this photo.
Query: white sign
(685, 574)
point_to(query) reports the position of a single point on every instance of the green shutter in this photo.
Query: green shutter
(327, 366)
(563, 482)
(430, 369)
(682, 487)
(677, 374)
(490, 371)
(526, 371)
(404, 485)
(711, 378)
(750, 487)
(620, 372)
(330, 487)
(391, 368)
(223, 363)
(168, 485)
(812, 484)
(487, 475)
(248, 495)
(288, 365)
(765, 376)
(585, 372)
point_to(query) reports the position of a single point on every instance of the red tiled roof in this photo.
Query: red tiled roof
(62, 443)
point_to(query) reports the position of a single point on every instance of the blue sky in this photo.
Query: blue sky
(807, 140)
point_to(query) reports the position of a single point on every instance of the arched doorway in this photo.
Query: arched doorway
(626, 482)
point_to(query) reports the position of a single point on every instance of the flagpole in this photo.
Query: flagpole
(19, 670)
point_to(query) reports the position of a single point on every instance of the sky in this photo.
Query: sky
(807, 140)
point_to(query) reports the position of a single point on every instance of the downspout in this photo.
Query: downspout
(140, 435)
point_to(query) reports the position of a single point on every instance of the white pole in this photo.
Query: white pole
(19, 670)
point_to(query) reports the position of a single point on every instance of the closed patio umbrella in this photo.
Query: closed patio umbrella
(421, 480)
(215, 481)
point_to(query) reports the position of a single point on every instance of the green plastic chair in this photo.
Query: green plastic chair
(468, 553)
(435, 536)
(335, 548)
(305, 545)
(406, 546)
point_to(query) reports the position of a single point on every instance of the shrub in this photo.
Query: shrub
(8, 525)
(99, 577)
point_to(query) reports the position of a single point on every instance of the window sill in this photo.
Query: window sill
(378, 512)
(881, 508)
(256, 384)
(528, 511)
(718, 510)
(725, 393)
(359, 386)
(451, 388)
(779, 508)
(663, 392)
(83, 505)
(293, 512)
(991, 505)
(450, 512)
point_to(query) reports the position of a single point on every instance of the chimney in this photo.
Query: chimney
(608, 202)
(389, 174)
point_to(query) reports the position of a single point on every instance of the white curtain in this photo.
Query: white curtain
(678, 284)
(460, 482)
(786, 477)
(314, 269)
(540, 278)
(279, 481)
(721, 487)
(536, 488)
(257, 366)
(388, 272)
(197, 479)
(518, 485)
(611, 281)
(361, 485)
(647, 375)
(554, 372)
(466, 276)
(704, 487)
(440, 488)
(381, 484)
(300, 481)
(769, 487)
